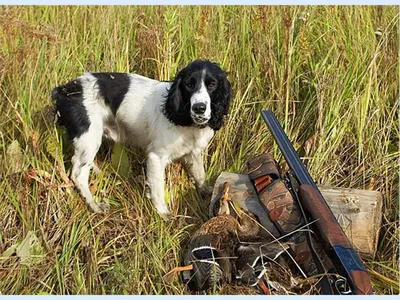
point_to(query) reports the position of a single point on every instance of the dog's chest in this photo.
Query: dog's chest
(182, 142)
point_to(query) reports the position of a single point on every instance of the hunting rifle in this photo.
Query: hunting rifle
(336, 244)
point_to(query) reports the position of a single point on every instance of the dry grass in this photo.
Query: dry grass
(329, 77)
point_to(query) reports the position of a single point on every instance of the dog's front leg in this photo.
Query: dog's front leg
(155, 180)
(194, 166)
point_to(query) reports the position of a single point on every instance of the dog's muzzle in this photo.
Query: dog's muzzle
(198, 113)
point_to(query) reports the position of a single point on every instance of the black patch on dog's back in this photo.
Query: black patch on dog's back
(113, 88)
(69, 108)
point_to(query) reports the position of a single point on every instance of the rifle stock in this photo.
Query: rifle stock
(337, 245)
(335, 241)
(330, 232)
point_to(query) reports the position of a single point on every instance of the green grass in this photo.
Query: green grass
(332, 82)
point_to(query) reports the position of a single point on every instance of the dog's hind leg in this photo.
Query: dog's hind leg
(86, 147)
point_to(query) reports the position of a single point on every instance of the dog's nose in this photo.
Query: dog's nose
(199, 108)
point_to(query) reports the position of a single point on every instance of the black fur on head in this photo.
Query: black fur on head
(177, 104)
(69, 108)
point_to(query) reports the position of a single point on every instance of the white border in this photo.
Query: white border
(200, 2)
(209, 297)
(191, 2)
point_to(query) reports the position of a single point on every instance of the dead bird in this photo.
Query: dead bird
(224, 223)
(210, 254)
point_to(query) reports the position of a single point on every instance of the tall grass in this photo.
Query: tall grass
(330, 74)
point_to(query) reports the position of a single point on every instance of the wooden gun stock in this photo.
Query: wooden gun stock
(335, 241)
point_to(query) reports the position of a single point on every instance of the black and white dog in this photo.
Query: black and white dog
(169, 120)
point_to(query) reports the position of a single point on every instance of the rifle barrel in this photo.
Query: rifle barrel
(296, 165)
(294, 162)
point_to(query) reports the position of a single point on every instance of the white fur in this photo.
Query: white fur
(139, 121)
(202, 96)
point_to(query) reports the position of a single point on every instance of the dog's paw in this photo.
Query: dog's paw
(166, 216)
(164, 212)
(104, 205)
(99, 207)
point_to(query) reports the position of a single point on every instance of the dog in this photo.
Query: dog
(171, 121)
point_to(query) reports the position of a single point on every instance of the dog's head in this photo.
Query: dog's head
(199, 96)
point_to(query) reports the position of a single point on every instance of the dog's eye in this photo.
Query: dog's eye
(211, 85)
(190, 84)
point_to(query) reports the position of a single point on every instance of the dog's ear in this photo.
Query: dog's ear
(174, 98)
(220, 102)
(175, 108)
(224, 90)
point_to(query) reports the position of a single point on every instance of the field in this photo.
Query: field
(331, 75)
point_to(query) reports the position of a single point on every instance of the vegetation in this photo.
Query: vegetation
(330, 74)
